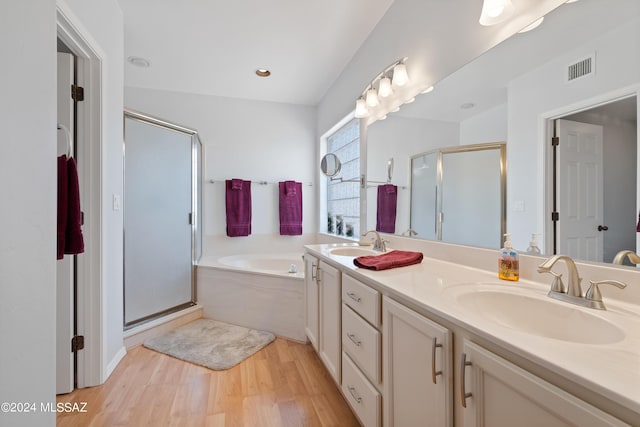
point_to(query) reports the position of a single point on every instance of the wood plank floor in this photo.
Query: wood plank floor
(284, 384)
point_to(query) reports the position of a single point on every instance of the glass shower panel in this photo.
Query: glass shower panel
(424, 195)
(472, 198)
(158, 211)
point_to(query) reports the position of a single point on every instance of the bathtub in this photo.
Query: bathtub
(254, 290)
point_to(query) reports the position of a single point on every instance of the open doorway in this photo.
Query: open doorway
(595, 181)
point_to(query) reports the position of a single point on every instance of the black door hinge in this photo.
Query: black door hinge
(555, 216)
(555, 141)
(77, 343)
(77, 93)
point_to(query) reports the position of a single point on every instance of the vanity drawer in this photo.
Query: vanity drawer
(364, 399)
(362, 298)
(363, 343)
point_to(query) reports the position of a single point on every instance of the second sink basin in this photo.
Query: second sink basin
(354, 251)
(537, 314)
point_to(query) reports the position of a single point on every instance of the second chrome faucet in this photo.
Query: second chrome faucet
(573, 292)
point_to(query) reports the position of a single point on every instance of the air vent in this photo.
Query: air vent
(582, 68)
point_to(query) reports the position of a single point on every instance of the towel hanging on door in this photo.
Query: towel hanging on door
(69, 223)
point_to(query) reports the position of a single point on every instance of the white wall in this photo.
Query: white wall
(488, 126)
(28, 214)
(252, 140)
(544, 92)
(401, 138)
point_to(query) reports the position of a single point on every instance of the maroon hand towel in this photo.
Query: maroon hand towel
(387, 204)
(63, 196)
(238, 207)
(74, 242)
(290, 195)
(388, 260)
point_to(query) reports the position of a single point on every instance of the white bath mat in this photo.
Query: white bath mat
(210, 343)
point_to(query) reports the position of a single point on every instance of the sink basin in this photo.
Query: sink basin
(353, 251)
(538, 315)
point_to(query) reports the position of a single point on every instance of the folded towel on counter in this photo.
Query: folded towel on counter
(388, 260)
(387, 205)
(238, 207)
(290, 196)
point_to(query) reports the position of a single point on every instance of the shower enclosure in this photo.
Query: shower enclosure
(162, 217)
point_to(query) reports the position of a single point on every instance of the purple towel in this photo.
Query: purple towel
(387, 203)
(238, 206)
(290, 194)
(63, 203)
(73, 240)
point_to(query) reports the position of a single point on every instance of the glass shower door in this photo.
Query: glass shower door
(159, 219)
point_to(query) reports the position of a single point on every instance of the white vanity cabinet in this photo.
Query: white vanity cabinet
(501, 394)
(311, 317)
(323, 314)
(417, 369)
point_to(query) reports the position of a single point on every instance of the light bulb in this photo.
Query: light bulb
(400, 76)
(361, 108)
(384, 88)
(427, 90)
(495, 11)
(372, 98)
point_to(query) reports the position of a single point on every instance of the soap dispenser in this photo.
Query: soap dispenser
(508, 262)
(533, 248)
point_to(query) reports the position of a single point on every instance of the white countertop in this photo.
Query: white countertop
(611, 370)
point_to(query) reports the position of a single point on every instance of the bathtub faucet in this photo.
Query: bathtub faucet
(379, 244)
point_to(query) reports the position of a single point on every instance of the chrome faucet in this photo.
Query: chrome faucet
(573, 293)
(573, 288)
(409, 232)
(620, 256)
(379, 244)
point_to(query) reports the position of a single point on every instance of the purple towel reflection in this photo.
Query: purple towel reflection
(387, 204)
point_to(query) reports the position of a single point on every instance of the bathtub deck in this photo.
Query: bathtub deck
(284, 384)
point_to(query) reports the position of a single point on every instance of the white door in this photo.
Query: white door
(580, 190)
(65, 267)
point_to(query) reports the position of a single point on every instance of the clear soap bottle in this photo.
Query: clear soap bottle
(508, 261)
(533, 248)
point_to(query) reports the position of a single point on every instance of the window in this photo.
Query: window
(343, 198)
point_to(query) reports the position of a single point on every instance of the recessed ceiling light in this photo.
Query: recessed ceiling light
(263, 72)
(139, 62)
(467, 105)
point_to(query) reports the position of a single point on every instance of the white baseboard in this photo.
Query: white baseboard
(114, 363)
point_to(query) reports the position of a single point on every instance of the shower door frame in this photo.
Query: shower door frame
(196, 211)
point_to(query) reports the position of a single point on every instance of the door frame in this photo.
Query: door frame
(546, 130)
(89, 315)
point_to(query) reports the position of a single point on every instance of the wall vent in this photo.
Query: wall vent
(584, 67)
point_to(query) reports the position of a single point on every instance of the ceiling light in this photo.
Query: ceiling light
(533, 25)
(400, 76)
(384, 87)
(139, 62)
(427, 90)
(495, 11)
(571, 1)
(263, 72)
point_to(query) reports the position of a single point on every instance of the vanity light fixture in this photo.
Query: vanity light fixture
(387, 92)
(495, 11)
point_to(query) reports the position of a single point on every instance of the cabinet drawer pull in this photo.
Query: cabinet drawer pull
(354, 296)
(355, 395)
(463, 393)
(355, 339)
(434, 373)
(314, 272)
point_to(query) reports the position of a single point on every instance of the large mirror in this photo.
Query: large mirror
(519, 92)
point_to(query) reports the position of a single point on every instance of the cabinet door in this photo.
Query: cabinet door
(501, 394)
(330, 319)
(311, 299)
(417, 370)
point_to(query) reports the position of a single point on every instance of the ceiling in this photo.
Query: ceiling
(213, 47)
